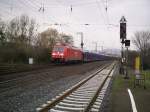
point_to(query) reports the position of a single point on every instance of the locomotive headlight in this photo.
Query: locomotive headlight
(53, 54)
(61, 54)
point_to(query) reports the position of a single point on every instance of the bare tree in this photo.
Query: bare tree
(48, 38)
(24, 22)
(13, 30)
(2, 32)
(141, 40)
(21, 30)
(66, 39)
(31, 31)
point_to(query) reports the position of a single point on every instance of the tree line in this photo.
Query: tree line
(20, 39)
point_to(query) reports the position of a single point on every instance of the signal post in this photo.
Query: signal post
(124, 57)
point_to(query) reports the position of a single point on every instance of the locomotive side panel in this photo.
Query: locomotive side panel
(74, 55)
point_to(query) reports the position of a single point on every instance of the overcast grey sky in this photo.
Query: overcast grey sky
(103, 25)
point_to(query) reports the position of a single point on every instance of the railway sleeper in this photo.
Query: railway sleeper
(83, 92)
(55, 110)
(98, 104)
(70, 109)
(74, 102)
(71, 105)
(82, 97)
(94, 110)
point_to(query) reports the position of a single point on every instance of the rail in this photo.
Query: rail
(80, 87)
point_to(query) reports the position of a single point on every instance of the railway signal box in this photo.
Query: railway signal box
(127, 43)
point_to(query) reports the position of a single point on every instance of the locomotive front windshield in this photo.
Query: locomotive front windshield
(58, 49)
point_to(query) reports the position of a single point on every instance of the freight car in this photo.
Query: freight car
(91, 56)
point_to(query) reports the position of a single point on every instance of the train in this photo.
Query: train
(64, 53)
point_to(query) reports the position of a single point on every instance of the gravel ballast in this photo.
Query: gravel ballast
(34, 89)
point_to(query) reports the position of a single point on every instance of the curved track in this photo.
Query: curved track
(85, 96)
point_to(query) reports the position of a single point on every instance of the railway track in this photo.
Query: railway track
(6, 69)
(12, 81)
(85, 96)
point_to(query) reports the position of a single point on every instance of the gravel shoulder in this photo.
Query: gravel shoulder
(29, 92)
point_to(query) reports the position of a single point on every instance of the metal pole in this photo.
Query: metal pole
(81, 40)
(122, 60)
(127, 77)
(81, 34)
(96, 46)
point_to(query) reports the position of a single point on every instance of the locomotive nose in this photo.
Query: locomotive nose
(53, 54)
(61, 54)
(57, 54)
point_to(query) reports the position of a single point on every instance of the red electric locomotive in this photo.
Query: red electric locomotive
(66, 53)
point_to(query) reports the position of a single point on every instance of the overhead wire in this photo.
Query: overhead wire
(8, 11)
(32, 4)
(25, 5)
(35, 5)
(99, 7)
(82, 3)
(105, 6)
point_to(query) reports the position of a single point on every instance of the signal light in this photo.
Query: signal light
(127, 43)
(122, 30)
(61, 54)
(53, 54)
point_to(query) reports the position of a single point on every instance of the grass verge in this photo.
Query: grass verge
(119, 98)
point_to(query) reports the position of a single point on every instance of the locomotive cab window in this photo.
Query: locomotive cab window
(58, 49)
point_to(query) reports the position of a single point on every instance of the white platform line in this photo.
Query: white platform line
(132, 101)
